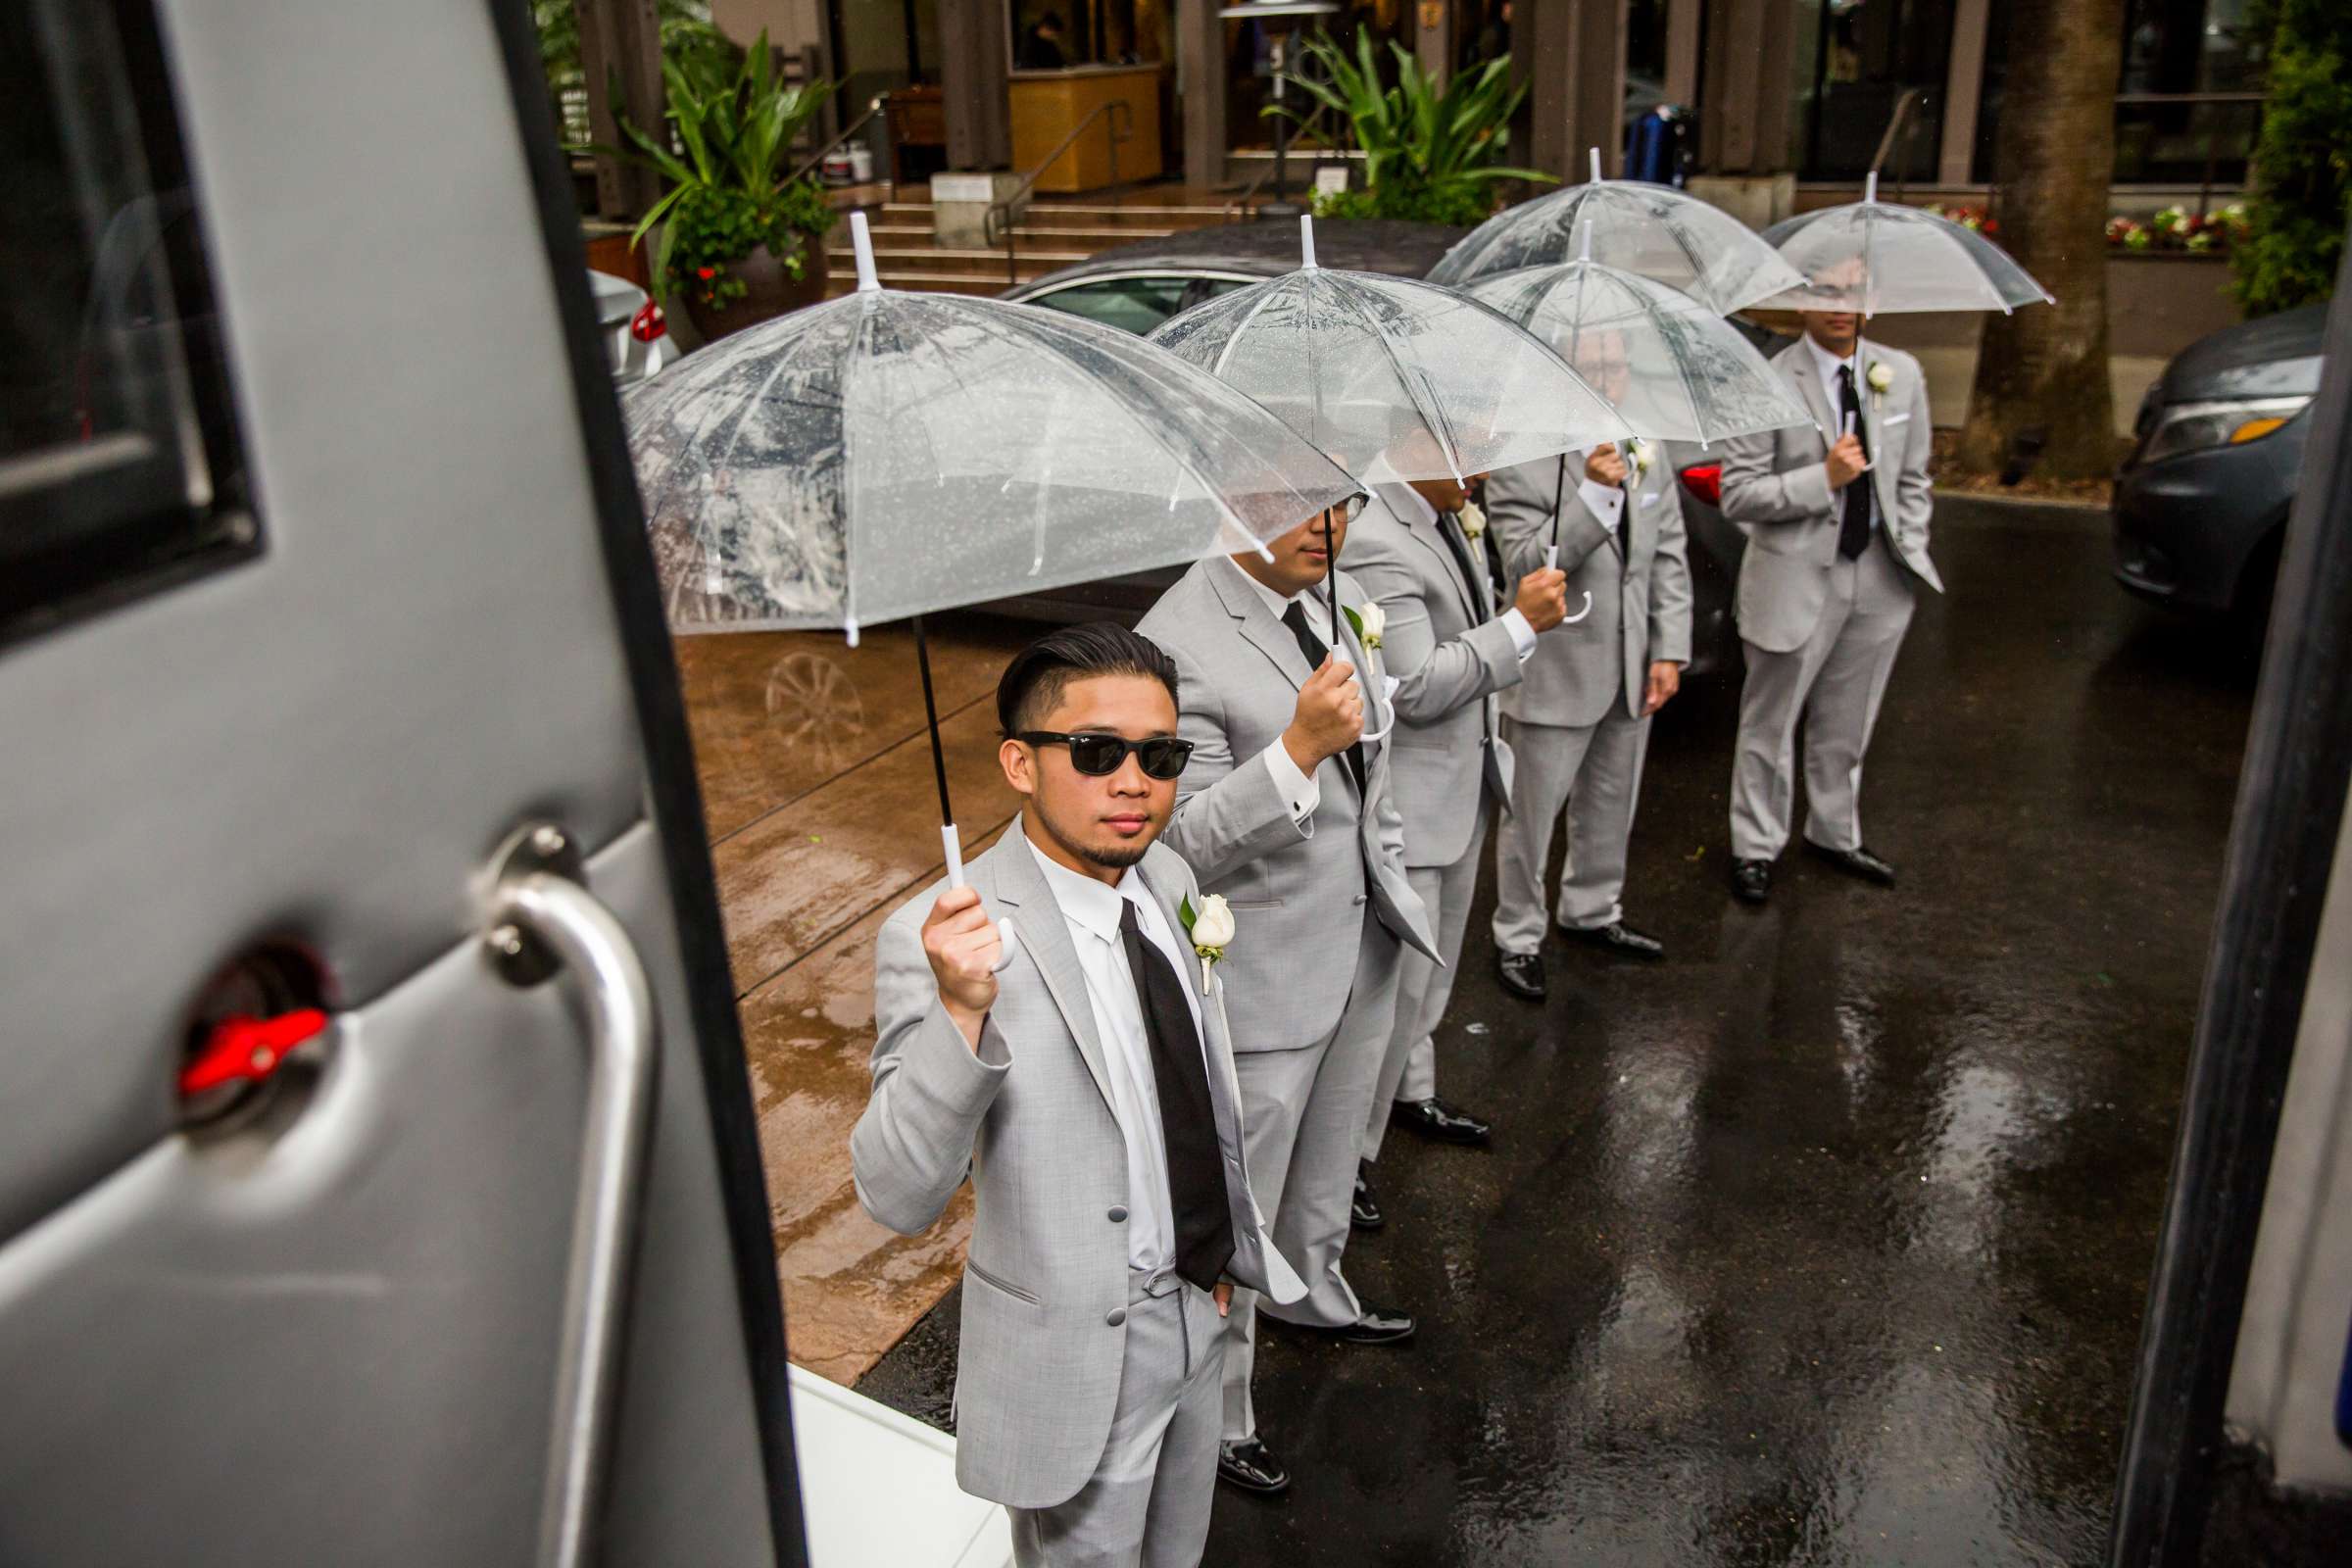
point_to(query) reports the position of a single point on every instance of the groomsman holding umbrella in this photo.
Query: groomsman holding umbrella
(1836, 520)
(1580, 722)
(1451, 648)
(1285, 811)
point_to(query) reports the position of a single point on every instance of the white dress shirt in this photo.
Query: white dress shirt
(1523, 634)
(1090, 909)
(1827, 366)
(1604, 501)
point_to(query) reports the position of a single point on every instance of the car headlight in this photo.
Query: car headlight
(2195, 426)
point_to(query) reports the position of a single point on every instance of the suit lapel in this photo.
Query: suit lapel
(1261, 628)
(1164, 893)
(1405, 508)
(1882, 471)
(1046, 935)
(1797, 359)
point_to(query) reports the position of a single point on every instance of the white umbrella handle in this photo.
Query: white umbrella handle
(951, 846)
(1581, 614)
(1552, 563)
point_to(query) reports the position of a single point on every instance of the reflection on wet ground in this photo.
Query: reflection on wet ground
(1825, 1242)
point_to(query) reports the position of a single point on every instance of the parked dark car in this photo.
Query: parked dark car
(2200, 505)
(1140, 285)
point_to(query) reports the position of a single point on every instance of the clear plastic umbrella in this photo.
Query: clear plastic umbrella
(1652, 231)
(1880, 258)
(1422, 380)
(885, 454)
(1675, 370)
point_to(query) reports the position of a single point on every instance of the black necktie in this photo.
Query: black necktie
(1853, 527)
(1187, 1125)
(1314, 647)
(1450, 529)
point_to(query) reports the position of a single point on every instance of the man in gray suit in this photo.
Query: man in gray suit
(1579, 724)
(1836, 525)
(1451, 651)
(1285, 811)
(1082, 1072)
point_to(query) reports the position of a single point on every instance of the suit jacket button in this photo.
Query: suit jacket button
(1118, 1212)
(1363, 898)
(1118, 1315)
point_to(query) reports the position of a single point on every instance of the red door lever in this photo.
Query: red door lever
(249, 1049)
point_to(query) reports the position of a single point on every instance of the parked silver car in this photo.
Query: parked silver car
(635, 332)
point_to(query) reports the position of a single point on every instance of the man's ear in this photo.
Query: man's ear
(1019, 764)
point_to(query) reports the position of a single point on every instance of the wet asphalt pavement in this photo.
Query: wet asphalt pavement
(1825, 1242)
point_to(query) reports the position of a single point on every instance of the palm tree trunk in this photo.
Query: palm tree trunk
(2043, 370)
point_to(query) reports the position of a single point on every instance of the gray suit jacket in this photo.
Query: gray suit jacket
(1641, 593)
(1452, 656)
(1298, 890)
(1030, 1118)
(1776, 488)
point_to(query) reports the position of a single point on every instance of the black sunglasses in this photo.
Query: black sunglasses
(1095, 755)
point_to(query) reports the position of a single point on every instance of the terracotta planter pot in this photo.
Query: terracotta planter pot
(772, 291)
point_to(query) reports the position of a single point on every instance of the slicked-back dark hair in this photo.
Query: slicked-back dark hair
(1033, 682)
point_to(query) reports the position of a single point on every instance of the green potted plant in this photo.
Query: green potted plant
(742, 237)
(1432, 152)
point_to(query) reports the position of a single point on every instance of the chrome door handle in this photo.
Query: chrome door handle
(543, 921)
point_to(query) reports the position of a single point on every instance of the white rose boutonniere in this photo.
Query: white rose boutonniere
(1209, 928)
(1472, 519)
(1368, 622)
(1879, 378)
(1637, 453)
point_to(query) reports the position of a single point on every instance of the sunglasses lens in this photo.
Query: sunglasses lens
(1096, 754)
(1164, 758)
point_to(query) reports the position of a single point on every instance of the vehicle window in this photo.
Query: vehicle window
(1132, 304)
(119, 467)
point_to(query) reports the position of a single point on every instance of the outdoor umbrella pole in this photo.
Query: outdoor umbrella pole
(948, 842)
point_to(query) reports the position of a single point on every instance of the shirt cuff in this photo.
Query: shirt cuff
(1523, 635)
(1297, 789)
(1605, 501)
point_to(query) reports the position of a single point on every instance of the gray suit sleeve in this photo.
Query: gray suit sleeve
(1752, 491)
(1519, 511)
(1914, 486)
(1437, 677)
(913, 1147)
(1670, 583)
(1229, 811)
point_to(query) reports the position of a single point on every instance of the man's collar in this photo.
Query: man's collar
(1093, 905)
(1826, 365)
(1274, 601)
(1413, 499)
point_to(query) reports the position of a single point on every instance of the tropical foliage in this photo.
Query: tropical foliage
(726, 159)
(1431, 150)
(2302, 162)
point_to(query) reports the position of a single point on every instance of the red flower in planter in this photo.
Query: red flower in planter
(705, 273)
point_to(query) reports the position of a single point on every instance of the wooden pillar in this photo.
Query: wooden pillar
(1683, 19)
(1571, 53)
(1963, 89)
(1744, 116)
(974, 84)
(1201, 80)
(621, 40)
(1433, 36)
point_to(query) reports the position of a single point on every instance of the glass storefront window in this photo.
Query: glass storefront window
(2189, 102)
(1250, 60)
(1054, 34)
(1866, 55)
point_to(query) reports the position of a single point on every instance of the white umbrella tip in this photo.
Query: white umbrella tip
(863, 244)
(1869, 186)
(1306, 239)
(1594, 153)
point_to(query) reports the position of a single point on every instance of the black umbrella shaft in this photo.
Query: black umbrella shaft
(939, 760)
(1560, 495)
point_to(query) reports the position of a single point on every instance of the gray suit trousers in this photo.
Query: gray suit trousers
(1595, 772)
(1147, 1504)
(1835, 682)
(1303, 1121)
(1410, 1068)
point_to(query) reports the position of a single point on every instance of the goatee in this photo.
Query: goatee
(1118, 857)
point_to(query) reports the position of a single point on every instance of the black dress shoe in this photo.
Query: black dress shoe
(1249, 1465)
(1438, 1121)
(1364, 1210)
(1751, 881)
(1856, 862)
(1379, 1325)
(1619, 938)
(1522, 974)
